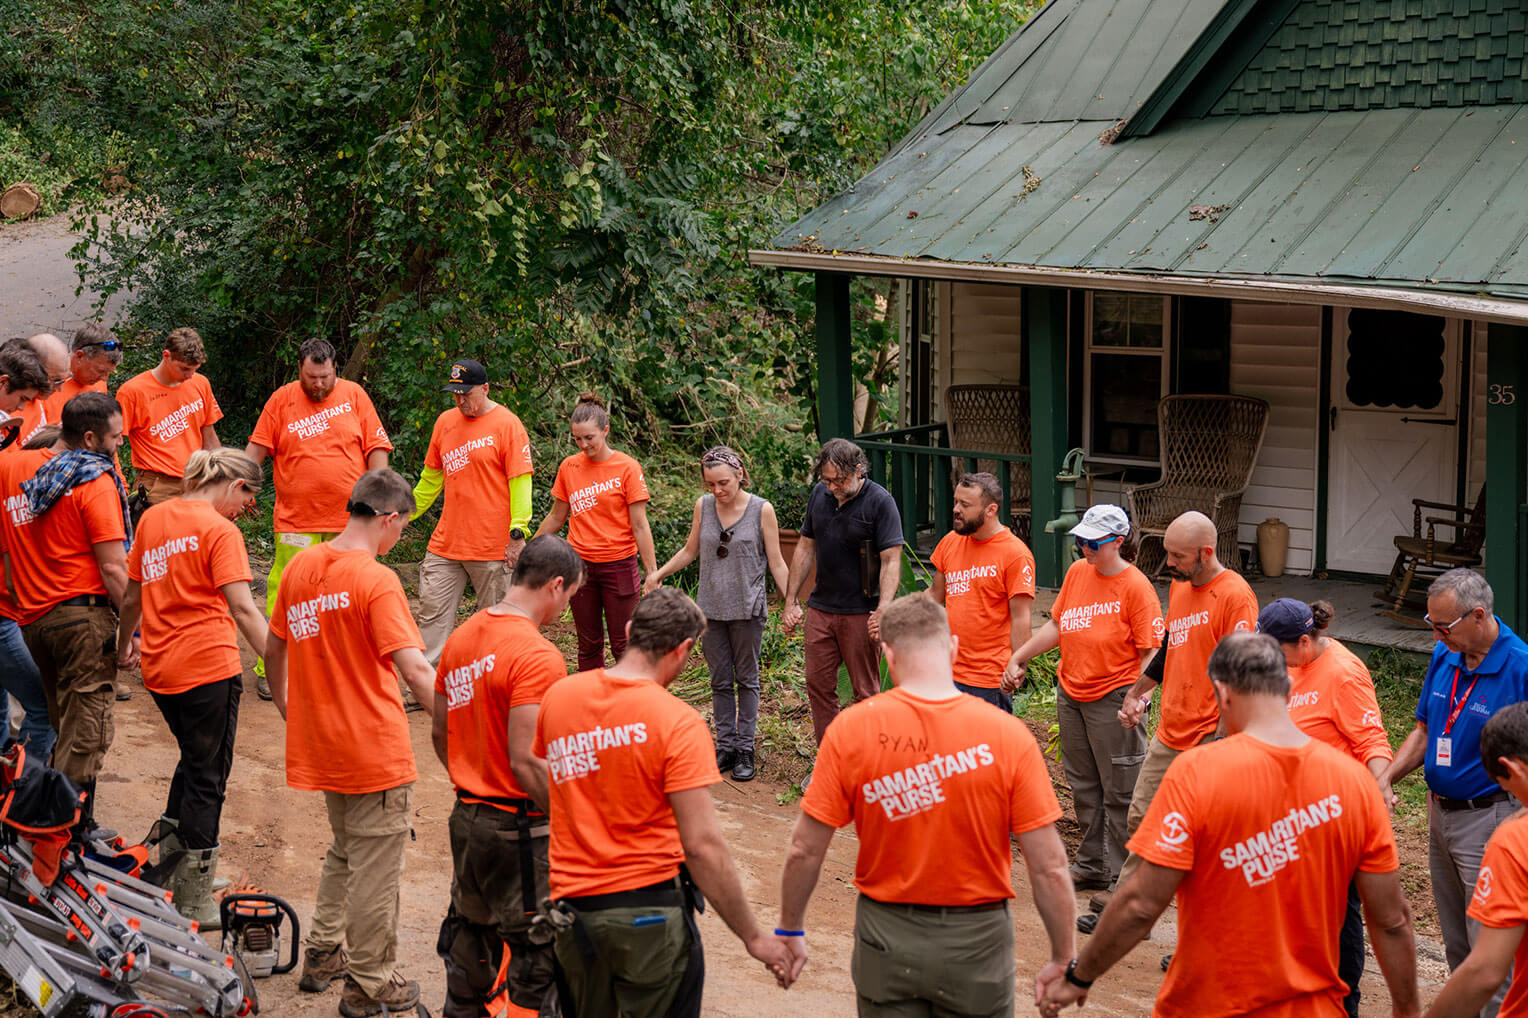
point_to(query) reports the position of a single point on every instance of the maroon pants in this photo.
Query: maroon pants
(609, 592)
(832, 640)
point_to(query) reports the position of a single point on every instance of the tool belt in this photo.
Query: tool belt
(680, 891)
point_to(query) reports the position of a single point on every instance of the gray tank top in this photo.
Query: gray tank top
(732, 588)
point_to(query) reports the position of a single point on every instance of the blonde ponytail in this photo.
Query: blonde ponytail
(219, 466)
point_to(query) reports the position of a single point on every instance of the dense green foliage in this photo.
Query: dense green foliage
(566, 190)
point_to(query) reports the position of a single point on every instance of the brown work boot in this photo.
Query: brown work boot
(398, 996)
(321, 967)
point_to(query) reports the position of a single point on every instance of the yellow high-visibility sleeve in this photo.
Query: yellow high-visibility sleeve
(431, 481)
(520, 502)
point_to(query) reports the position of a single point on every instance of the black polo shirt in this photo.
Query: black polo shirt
(849, 539)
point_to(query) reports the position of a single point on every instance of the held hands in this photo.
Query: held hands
(1133, 710)
(1053, 993)
(790, 618)
(1013, 675)
(652, 583)
(874, 625)
(512, 552)
(1388, 794)
(777, 956)
(128, 655)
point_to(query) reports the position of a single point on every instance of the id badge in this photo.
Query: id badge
(296, 540)
(1445, 752)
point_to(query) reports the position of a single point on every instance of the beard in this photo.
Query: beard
(1189, 574)
(318, 393)
(966, 527)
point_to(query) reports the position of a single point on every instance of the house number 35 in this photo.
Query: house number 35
(1502, 395)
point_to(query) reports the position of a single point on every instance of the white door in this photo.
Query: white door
(1394, 424)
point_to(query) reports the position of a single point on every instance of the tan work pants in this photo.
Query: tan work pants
(160, 487)
(358, 888)
(75, 648)
(442, 581)
(1159, 756)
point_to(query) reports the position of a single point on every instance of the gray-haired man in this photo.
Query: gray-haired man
(1478, 667)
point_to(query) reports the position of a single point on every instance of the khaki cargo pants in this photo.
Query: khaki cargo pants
(75, 647)
(358, 888)
(160, 487)
(640, 958)
(442, 581)
(912, 963)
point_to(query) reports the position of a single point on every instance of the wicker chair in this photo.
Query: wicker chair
(1424, 557)
(1209, 446)
(994, 418)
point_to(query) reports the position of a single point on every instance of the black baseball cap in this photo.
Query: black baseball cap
(1286, 620)
(465, 374)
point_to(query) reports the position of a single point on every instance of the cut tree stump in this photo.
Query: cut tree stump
(19, 201)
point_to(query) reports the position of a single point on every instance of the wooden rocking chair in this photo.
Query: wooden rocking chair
(1420, 558)
(1210, 445)
(994, 418)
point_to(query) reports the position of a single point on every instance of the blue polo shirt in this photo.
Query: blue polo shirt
(1503, 679)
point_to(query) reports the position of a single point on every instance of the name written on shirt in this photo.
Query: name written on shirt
(461, 682)
(578, 755)
(156, 561)
(175, 422)
(912, 790)
(303, 617)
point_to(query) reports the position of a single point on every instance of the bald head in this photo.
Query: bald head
(54, 354)
(1190, 546)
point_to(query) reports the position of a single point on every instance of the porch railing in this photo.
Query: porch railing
(918, 468)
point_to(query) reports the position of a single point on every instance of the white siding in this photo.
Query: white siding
(984, 345)
(1276, 355)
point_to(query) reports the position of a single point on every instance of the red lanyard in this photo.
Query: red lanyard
(1457, 709)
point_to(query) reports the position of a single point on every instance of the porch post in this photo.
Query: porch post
(1045, 334)
(1506, 466)
(835, 373)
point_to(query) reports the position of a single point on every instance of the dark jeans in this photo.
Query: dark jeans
(610, 590)
(1350, 950)
(732, 654)
(20, 678)
(999, 699)
(203, 721)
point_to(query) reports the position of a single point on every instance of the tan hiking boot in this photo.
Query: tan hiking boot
(398, 996)
(321, 967)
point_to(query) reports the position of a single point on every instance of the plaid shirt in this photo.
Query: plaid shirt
(67, 471)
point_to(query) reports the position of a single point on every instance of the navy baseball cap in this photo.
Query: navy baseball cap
(466, 375)
(1286, 620)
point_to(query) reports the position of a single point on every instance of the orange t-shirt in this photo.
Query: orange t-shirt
(1332, 699)
(598, 497)
(1269, 838)
(478, 456)
(491, 665)
(52, 556)
(1105, 622)
(164, 424)
(616, 749)
(319, 451)
(1197, 617)
(53, 406)
(16, 517)
(934, 788)
(979, 578)
(1501, 900)
(184, 554)
(343, 614)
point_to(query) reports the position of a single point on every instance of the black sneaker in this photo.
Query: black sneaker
(744, 771)
(1087, 922)
(1167, 960)
(726, 759)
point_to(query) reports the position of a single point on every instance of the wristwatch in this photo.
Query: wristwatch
(1071, 976)
(516, 534)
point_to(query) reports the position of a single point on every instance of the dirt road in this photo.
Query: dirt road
(279, 837)
(37, 280)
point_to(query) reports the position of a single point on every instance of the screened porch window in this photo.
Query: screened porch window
(1126, 375)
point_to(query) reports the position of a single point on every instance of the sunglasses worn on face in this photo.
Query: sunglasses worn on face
(362, 509)
(1092, 545)
(1444, 629)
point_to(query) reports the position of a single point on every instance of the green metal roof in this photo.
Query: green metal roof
(1017, 168)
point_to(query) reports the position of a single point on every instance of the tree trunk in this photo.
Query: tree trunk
(19, 201)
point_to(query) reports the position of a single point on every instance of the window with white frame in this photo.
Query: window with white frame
(1125, 365)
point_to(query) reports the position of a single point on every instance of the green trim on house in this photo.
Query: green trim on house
(1046, 338)
(835, 370)
(1506, 466)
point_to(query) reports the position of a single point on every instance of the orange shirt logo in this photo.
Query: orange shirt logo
(156, 561)
(959, 582)
(913, 790)
(302, 617)
(1309, 698)
(19, 511)
(461, 682)
(1075, 619)
(1178, 629)
(578, 755)
(1262, 856)
(1483, 885)
(458, 458)
(175, 422)
(317, 424)
(587, 498)
(1174, 830)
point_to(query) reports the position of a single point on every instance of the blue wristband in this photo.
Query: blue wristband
(789, 933)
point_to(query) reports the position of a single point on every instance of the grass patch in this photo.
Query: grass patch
(1397, 685)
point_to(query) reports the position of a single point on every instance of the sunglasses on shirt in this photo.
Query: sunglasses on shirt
(726, 539)
(1093, 545)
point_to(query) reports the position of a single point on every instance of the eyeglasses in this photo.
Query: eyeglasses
(726, 539)
(58, 383)
(1443, 630)
(1092, 545)
(362, 509)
